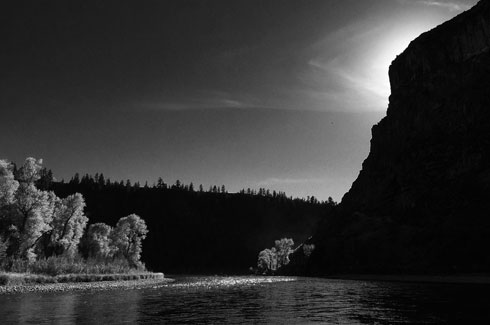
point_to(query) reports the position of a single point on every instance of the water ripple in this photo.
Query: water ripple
(250, 299)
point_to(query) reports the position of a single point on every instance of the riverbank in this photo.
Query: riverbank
(449, 279)
(20, 282)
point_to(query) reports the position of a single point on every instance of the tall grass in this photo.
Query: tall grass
(62, 269)
(13, 279)
(58, 265)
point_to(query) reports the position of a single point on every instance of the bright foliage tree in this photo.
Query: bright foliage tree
(69, 224)
(128, 236)
(36, 223)
(270, 260)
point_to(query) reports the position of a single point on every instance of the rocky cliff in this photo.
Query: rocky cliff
(422, 199)
(436, 132)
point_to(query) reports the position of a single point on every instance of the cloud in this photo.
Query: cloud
(455, 6)
(202, 100)
(348, 68)
(345, 73)
(355, 80)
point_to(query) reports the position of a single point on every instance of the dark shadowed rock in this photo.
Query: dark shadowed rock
(422, 199)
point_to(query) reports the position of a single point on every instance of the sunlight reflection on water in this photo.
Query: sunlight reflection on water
(226, 282)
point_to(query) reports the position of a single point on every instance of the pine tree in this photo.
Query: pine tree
(75, 179)
(101, 180)
(160, 183)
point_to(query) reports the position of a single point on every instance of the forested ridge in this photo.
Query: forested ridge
(193, 230)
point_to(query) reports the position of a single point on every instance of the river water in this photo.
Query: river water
(274, 300)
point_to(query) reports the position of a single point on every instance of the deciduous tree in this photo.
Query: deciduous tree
(128, 236)
(267, 261)
(98, 240)
(69, 224)
(284, 247)
(8, 185)
(32, 211)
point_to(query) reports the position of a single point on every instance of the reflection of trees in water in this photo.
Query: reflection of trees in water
(80, 307)
(116, 306)
(46, 308)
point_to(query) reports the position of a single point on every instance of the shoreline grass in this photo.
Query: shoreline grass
(19, 279)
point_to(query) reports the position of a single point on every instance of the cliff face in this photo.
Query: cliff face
(424, 189)
(436, 135)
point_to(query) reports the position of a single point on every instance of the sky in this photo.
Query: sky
(249, 93)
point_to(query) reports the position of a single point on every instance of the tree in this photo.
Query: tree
(35, 211)
(101, 180)
(308, 249)
(128, 235)
(283, 248)
(34, 222)
(30, 171)
(68, 224)
(267, 261)
(270, 260)
(76, 179)
(8, 185)
(46, 179)
(178, 184)
(32, 211)
(98, 240)
(161, 183)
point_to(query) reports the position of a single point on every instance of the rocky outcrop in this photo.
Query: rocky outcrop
(427, 176)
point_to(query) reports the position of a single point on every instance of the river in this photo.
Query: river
(274, 300)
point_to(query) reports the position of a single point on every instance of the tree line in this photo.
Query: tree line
(99, 180)
(209, 232)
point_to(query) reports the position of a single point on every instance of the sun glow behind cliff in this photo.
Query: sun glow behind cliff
(354, 74)
(389, 47)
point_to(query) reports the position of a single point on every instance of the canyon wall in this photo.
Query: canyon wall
(422, 199)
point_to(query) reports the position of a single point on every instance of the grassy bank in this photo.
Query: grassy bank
(16, 279)
(58, 269)
(59, 265)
